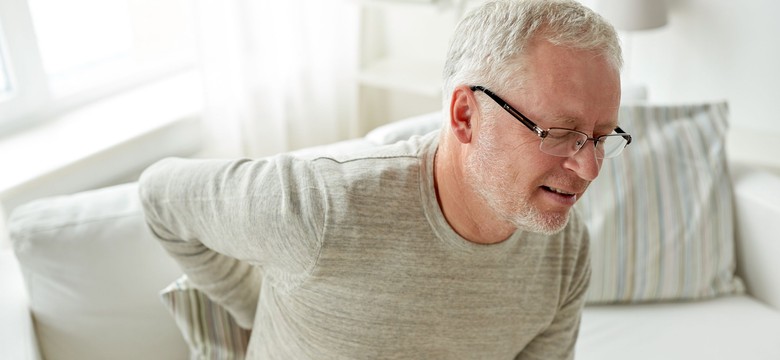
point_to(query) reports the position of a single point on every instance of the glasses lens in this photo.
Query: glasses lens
(562, 142)
(610, 146)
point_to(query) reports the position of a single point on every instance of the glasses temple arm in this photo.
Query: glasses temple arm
(520, 117)
(623, 133)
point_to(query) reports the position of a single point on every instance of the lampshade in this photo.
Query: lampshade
(634, 14)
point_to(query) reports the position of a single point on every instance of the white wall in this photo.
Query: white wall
(716, 49)
(713, 50)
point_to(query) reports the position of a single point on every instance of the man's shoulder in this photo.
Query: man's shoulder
(413, 148)
(390, 171)
(400, 156)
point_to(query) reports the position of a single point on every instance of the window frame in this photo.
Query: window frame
(31, 102)
(30, 93)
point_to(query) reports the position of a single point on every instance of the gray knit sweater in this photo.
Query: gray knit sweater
(353, 259)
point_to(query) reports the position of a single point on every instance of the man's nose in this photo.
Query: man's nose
(584, 162)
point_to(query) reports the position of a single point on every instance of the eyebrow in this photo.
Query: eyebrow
(564, 119)
(570, 123)
(568, 120)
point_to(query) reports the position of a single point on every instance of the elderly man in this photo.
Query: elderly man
(461, 244)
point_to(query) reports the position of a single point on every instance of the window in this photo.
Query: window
(59, 55)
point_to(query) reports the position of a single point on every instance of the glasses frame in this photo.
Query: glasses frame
(541, 132)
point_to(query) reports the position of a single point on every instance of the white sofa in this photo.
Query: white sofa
(93, 273)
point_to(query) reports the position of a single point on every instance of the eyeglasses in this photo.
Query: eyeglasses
(566, 142)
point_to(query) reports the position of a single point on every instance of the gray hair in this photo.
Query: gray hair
(489, 43)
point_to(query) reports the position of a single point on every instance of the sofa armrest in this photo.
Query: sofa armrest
(757, 212)
(17, 337)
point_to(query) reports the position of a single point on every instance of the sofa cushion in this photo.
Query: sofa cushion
(725, 328)
(93, 272)
(207, 327)
(405, 129)
(660, 216)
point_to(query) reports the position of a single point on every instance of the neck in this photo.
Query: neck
(463, 208)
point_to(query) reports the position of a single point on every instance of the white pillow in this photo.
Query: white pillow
(660, 215)
(93, 271)
(405, 129)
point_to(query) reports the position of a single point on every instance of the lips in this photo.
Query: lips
(558, 191)
(560, 196)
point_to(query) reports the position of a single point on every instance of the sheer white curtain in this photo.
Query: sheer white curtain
(279, 75)
(5, 242)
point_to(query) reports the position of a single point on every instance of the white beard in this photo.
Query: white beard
(484, 172)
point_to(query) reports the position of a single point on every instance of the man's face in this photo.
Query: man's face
(564, 88)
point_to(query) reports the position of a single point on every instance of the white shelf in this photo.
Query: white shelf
(415, 76)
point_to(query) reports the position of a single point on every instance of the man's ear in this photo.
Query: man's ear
(463, 108)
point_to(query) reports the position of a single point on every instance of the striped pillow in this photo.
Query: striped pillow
(660, 216)
(209, 330)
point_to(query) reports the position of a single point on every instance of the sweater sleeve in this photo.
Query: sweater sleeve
(558, 340)
(224, 221)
